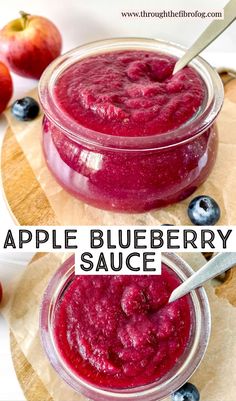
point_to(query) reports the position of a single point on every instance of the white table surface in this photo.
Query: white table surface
(81, 21)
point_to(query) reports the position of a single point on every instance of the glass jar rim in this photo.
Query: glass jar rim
(151, 392)
(79, 133)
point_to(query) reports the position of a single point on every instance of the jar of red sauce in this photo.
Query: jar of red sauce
(120, 132)
(76, 324)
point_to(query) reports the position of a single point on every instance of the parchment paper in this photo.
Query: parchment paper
(70, 211)
(215, 378)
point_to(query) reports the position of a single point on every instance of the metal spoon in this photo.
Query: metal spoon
(216, 266)
(208, 36)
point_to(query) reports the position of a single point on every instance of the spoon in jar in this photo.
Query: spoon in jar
(216, 266)
(208, 36)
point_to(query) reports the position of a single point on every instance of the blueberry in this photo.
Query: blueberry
(25, 109)
(188, 392)
(203, 211)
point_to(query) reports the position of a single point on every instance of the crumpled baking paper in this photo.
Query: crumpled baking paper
(221, 184)
(215, 378)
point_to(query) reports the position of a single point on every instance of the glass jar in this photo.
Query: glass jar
(129, 174)
(175, 378)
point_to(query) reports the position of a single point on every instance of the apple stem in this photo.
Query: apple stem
(24, 19)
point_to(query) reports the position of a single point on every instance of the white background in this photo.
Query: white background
(86, 20)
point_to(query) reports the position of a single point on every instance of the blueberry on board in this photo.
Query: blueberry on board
(25, 109)
(203, 211)
(188, 392)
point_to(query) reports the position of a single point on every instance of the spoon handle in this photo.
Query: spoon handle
(216, 266)
(208, 36)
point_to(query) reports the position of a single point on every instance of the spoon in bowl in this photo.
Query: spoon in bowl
(215, 28)
(216, 266)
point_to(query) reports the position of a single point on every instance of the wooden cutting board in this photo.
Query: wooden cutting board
(26, 200)
(22, 190)
(32, 386)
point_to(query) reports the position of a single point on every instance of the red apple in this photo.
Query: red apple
(28, 44)
(6, 86)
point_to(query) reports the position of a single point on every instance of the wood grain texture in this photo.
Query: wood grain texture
(27, 201)
(29, 206)
(25, 198)
(32, 386)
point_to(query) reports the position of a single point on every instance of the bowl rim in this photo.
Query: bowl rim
(79, 133)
